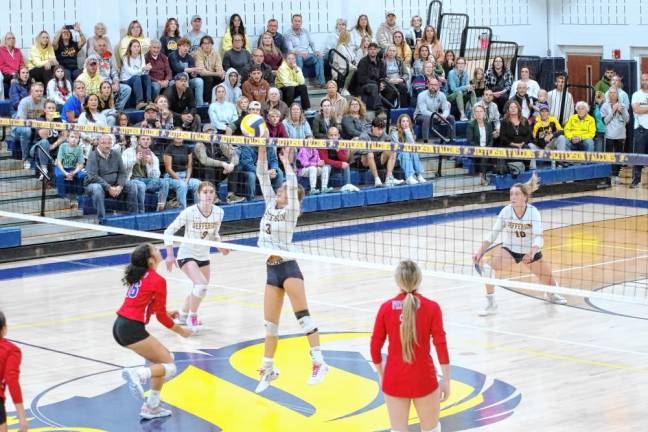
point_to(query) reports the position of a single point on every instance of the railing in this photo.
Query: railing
(505, 49)
(435, 9)
(475, 42)
(451, 29)
(342, 75)
(45, 178)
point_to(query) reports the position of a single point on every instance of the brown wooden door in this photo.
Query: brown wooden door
(583, 70)
(644, 65)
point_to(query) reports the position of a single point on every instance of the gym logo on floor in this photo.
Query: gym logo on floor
(214, 390)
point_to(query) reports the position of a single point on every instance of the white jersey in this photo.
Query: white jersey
(518, 234)
(197, 226)
(278, 224)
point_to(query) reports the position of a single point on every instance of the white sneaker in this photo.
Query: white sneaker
(377, 182)
(149, 413)
(134, 382)
(555, 298)
(318, 373)
(411, 180)
(420, 178)
(391, 181)
(193, 324)
(181, 320)
(267, 375)
(490, 309)
(616, 181)
(26, 165)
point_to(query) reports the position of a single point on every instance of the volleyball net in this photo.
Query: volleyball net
(595, 231)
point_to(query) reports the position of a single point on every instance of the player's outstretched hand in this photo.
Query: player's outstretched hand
(476, 258)
(170, 263)
(173, 314)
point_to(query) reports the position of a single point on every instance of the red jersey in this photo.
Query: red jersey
(416, 379)
(10, 357)
(145, 298)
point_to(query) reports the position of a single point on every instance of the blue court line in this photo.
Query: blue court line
(321, 233)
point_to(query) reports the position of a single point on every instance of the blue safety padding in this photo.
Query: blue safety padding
(232, 212)
(169, 216)
(558, 175)
(149, 221)
(376, 196)
(9, 237)
(421, 190)
(309, 204)
(222, 191)
(329, 201)
(252, 209)
(5, 108)
(353, 199)
(135, 116)
(398, 193)
(122, 221)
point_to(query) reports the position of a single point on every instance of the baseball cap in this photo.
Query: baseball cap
(181, 76)
(255, 104)
(151, 107)
(92, 58)
(389, 13)
(543, 106)
(195, 17)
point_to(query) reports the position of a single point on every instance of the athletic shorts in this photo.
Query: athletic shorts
(356, 160)
(200, 263)
(127, 331)
(3, 412)
(279, 273)
(518, 256)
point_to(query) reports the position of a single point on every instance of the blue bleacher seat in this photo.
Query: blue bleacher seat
(376, 196)
(421, 190)
(10, 237)
(232, 212)
(309, 204)
(398, 193)
(252, 209)
(353, 199)
(121, 221)
(329, 201)
(169, 216)
(149, 221)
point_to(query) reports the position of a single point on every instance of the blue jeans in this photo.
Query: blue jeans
(639, 145)
(122, 96)
(313, 60)
(146, 184)
(584, 145)
(68, 188)
(410, 164)
(428, 123)
(98, 194)
(197, 86)
(24, 135)
(346, 174)
(181, 187)
(141, 85)
(41, 156)
(246, 180)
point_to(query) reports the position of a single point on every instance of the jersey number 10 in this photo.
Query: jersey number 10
(520, 234)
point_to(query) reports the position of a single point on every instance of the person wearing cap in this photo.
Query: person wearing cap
(299, 41)
(151, 118)
(547, 132)
(290, 80)
(182, 103)
(108, 70)
(212, 72)
(368, 80)
(256, 88)
(377, 160)
(196, 34)
(385, 33)
(431, 104)
(273, 28)
(91, 76)
(181, 62)
(160, 72)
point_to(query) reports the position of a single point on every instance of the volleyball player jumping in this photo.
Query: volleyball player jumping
(283, 274)
(522, 239)
(146, 295)
(201, 221)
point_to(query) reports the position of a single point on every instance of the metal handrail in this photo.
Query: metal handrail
(45, 176)
(333, 67)
(429, 14)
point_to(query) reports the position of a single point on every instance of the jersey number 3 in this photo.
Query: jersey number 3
(268, 229)
(520, 234)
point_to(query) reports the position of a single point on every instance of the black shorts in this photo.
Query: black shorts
(518, 256)
(3, 412)
(127, 331)
(278, 273)
(200, 263)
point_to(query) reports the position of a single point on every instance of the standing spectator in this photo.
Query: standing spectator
(275, 102)
(448, 62)
(615, 117)
(196, 34)
(430, 105)
(67, 50)
(385, 33)
(59, 88)
(324, 120)
(338, 160)
(178, 164)
(492, 113)
(209, 61)
(640, 110)
(31, 107)
(221, 112)
(74, 104)
(100, 32)
(256, 88)
(361, 31)
(20, 85)
(606, 80)
(300, 43)
(232, 85)
(433, 43)
(555, 99)
(11, 59)
(415, 32)
(310, 165)
(160, 72)
(396, 74)
(143, 169)
(367, 81)
(91, 115)
(617, 83)
(403, 50)
(499, 79)
(215, 163)
(376, 161)
(410, 162)
(134, 31)
(236, 27)
(182, 103)
(478, 82)
(105, 174)
(344, 61)
(108, 71)
(532, 85)
(581, 128)
(527, 102)
(290, 80)
(479, 133)
(272, 55)
(170, 37)
(338, 103)
(461, 91)
(69, 172)
(237, 57)
(182, 62)
(135, 74)
(547, 133)
(296, 124)
(279, 40)
(354, 122)
(42, 58)
(258, 61)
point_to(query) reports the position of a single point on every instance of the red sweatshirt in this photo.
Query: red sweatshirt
(161, 71)
(277, 131)
(334, 157)
(10, 62)
(416, 379)
(10, 357)
(145, 298)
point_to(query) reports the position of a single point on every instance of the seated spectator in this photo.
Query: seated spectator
(547, 132)
(433, 43)
(385, 33)
(165, 114)
(379, 160)
(478, 82)
(415, 32)
(423, 56)
(160, 72)
(73, 106)
(207, 59)
(100, 32)
(59, 88)
(290, 80)
(246, 170)
(338, 160)
(170, 37)
(67, 50)
(499, 79)
(181, 62)
(272, 55)
(354, 122)
(581, 129)
(555, 99)
(31, 107)
(107, 103)
(491, 111)
(257, 61)
(431, 70)
(236, 27)
(11, 60)
(532, 86)
(256, 88)
(182, 104)
(461, 91)
(243, 108)
(91, 77)
(134, 31)
(432, 108)
(123, 141)
(367, 81)
(242, 105)
(479, 133)
(275, 102)
(324, 120)
(41, 59)
(333, 38)
(296, 124)
(617, 83)
(448, 64)
(310, 165)
(344, 61)
(516, 129)
(91, 115)
(615, 117)
(396, 74)
(276, 128)
(69, 172)
(363, 50)
(20, 86)
(277, 38)
(237, 57)
(232, 85)
(196, 34)
(50, 139)
(361, 31)
(605, 82)
(108, 71)
(599, 138)
(338, 103)
(526, 102)
(300, 43)
(143, 169)
(178, 165)
(410, 162)
(105, 174)
(221, 112)
(135, 74)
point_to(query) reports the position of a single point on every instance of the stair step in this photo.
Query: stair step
(456, 183)
(57, 214)
(45, 233)
(20, 184)
(16, 173)
(10, 164)
(467, 190)
(5, 154)
(32, 206)
(16, 196)
(445, 172)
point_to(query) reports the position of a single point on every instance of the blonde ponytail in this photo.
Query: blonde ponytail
(408, 277)
(530, 186)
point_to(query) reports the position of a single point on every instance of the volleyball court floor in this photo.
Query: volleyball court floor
(533, 366)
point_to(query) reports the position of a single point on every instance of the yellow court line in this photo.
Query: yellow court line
(69, 319)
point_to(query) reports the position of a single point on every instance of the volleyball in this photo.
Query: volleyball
(253, 126)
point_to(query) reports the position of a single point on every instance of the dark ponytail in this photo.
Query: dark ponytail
(3, 322)
(138, 265)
